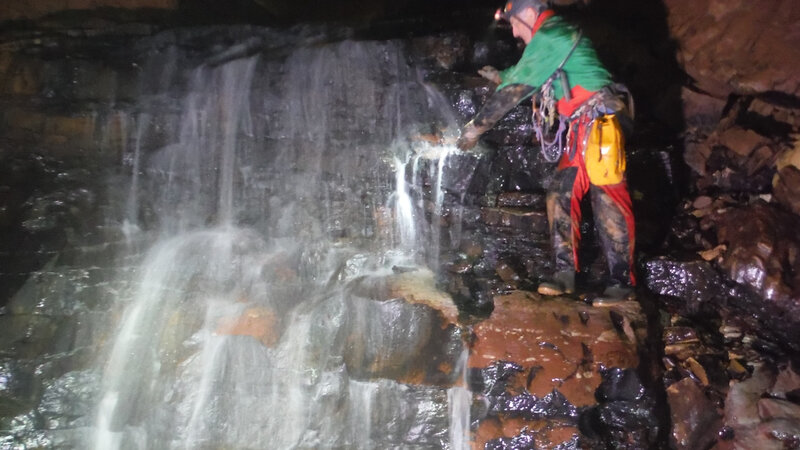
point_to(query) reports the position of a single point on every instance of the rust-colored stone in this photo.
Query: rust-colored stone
(741, 141)
(560, 344)
(763, 157)
(786, 188)
(695, 420)
(701, 109)
(419, 286)
(762, 244)
(739, 46)
(782, 113)
(258, 322)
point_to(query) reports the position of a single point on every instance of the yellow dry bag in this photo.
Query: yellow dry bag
(604, 153)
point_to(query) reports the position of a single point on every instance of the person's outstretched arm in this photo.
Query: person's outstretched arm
(498, 105)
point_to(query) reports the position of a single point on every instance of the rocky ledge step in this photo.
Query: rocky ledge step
(524, 219)
(552, 371)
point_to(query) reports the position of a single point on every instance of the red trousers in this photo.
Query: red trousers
(611, 206)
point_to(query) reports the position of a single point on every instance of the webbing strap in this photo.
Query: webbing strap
(551, 150)
(559, 72)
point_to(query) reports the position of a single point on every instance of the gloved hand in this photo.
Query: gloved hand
(469, 137)
(491, 74)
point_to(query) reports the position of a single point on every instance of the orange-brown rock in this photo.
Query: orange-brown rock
(738, 46)
(786, 188)
(559, 344)
(258, 322)
(741, 141)
(418, 286)
(695, 420)
(762, 247)
(787, 114)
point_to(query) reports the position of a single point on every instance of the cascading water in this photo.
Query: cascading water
(261, 316)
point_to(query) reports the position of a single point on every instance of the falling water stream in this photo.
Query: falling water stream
(259, 315)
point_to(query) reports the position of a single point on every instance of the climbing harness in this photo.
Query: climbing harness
(606, 101)
(545, 114)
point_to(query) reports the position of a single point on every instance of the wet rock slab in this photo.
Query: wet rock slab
(539, 361)
(737, 47)
(695, 419)
(750, 278)
(759, 414)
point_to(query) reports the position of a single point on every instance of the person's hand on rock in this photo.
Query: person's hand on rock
(491, 74)
(469, 138)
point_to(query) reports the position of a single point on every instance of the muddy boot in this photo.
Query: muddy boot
(562, 283)
(615, 293)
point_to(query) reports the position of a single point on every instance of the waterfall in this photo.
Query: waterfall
(404, 210)
(260, 315)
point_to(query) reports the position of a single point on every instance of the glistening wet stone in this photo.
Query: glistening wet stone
(538, 363)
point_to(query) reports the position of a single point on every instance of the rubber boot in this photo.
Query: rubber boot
(562, 283)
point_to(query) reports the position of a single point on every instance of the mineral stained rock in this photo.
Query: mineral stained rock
(537, 363)
(695, 420)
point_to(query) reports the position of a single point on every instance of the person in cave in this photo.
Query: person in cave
(574, 95)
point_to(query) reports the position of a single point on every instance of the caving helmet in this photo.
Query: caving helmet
(514, 7)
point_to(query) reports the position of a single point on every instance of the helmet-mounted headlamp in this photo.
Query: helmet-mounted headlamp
(514, 7)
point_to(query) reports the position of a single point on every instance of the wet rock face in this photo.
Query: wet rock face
(545, 367)
(19, 9)
(625, 416)
(762, 251)
(17, 387)
(695, 419)
(45, 204)
(749, 276)
(758, 413)
(695, 283)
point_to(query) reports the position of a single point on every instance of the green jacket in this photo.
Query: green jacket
(547, 49)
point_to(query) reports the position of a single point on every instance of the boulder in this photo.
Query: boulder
(740, 47)
(756, 421)
(762, 246)
(786, 188)
(694, 283)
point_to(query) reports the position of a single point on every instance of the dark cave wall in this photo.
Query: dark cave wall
(34, 9)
